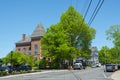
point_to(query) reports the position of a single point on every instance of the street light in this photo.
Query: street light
(11, 57)
(11, 61)
(1, 62)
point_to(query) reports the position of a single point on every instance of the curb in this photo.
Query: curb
(30, 73)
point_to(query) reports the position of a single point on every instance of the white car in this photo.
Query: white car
(77, 66)
(96, 65)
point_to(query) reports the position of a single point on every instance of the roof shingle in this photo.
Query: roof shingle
(39, 31)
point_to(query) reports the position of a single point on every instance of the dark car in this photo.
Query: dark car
(24, 68)
(118, 66)
(110, 67)
(5, 68)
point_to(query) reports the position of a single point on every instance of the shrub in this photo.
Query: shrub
(14, 72)
(35, 68)
(89, 65)
(54, 65)
(3, 73)
(29, 71)
(21, 71)
(42, 64)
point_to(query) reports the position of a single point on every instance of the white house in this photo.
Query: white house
(94, 58)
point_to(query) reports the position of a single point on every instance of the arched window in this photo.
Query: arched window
(18, 49)
(24, 50)
(35, 49)
(29, 50)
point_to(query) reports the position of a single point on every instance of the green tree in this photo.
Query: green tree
(115, 57)
(55, 44)
(79, 33)
(67, 39)
(18, 58)
(104, 55)
(30, 60)
(113, 33)
(42, 64)
(109, 55)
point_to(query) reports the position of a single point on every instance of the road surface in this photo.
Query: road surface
(87, 74)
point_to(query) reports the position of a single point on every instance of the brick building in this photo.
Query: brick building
(31, 45)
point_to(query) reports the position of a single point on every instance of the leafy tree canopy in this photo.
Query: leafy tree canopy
(79, 33)
(109, 55)
(55, 44)
(68, 38)
(18, 58)
(113, 33)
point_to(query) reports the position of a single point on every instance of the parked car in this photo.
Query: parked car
(5, 68)
(110, 67)
(11, 67)
(118, 66)
(96, 65)
(77, 65)
(24, 68)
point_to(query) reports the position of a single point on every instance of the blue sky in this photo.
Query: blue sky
(22, 16)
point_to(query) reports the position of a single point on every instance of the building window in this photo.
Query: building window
(44, 58)
(35, 49)
(29, 50)
(48, 59)
(18, 49)
(24, 50)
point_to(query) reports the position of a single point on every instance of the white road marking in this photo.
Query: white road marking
(104, 75)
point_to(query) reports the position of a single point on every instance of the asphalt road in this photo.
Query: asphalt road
(87, 74)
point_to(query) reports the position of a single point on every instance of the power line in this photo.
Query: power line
(87, 9)
(86, 12)
(95, 12)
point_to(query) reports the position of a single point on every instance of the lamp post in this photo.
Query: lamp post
(11, 61)
(1, 62)
(11, 58)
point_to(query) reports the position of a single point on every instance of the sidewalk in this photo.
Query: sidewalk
(116, 75)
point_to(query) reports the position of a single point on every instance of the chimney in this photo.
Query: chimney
(23, 37)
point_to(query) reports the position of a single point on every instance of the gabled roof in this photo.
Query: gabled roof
(39, 31)
(27, 40)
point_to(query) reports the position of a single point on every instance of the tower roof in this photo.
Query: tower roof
(39, 31)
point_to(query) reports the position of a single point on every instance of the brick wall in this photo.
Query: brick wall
(21, 49)
(33, 43)
(31, 47)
